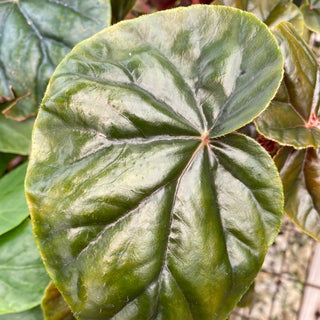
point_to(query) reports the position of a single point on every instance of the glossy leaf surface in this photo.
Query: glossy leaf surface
(311, 13)
(120, 8)
(13, 206)
(23, 277)
(293, 116)
(32, 314)
(138, 213)
(34, 36)
(271, 12)
(54, 306)
(300, 174)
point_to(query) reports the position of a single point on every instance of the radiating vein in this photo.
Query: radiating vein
(162, 106)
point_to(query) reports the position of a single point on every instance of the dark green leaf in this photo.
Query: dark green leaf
(137, 212)
(13, 206)
(32, 314)
(5, 158)
(247, 299)
(300, 174)
(120, 8)
(54, 306)
(34, 37)
(293, 116)
(23, 277)
(311, 13)
(271, 12)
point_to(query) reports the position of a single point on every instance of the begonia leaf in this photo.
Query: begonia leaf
(142, 206)
(311, 13)
(271, 12)
(293, 116)
(300, 174)
(54, 306)
(120, 8)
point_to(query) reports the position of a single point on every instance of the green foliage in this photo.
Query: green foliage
(5, 158)
(23, 277)
(32, 314)
(13, 206)
(311, 13)
(35, 36)
(144, 211)
(120, 8)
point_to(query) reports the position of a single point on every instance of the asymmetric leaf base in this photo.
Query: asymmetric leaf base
(142, 206)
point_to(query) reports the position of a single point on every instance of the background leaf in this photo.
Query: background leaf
(32, 314)
(5, 158)
(13, 206)
(293, 116)
(23, 277)
(311, 13)
(54, 306)
(120, 8)
(271, 12)
(138, 213)
(300, 174)
(15, 137)
(34, 37)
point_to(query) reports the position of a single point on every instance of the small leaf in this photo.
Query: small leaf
(271, 12)
(247, 299)
(54, 306)
(23, 277)
(293, 116)
(13, 206)
(5, 158)
(300, 174)
(34, 37)
(32, 314)
(311, 13)
(120, 8)
(142, 207)
(15, 137)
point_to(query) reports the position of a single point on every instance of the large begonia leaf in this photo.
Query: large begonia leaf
(54, 306)
(140, 208)
(293, 116)
(32, 314)
(311, 13)
(300, 174)
(34, 37)
(13, 206)
(120, 8)
(23, 278)
(271, 12)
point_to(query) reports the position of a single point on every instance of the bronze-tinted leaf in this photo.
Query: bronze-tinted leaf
(293, 115)
(300, 174)
(271, 12)
(54, 306)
